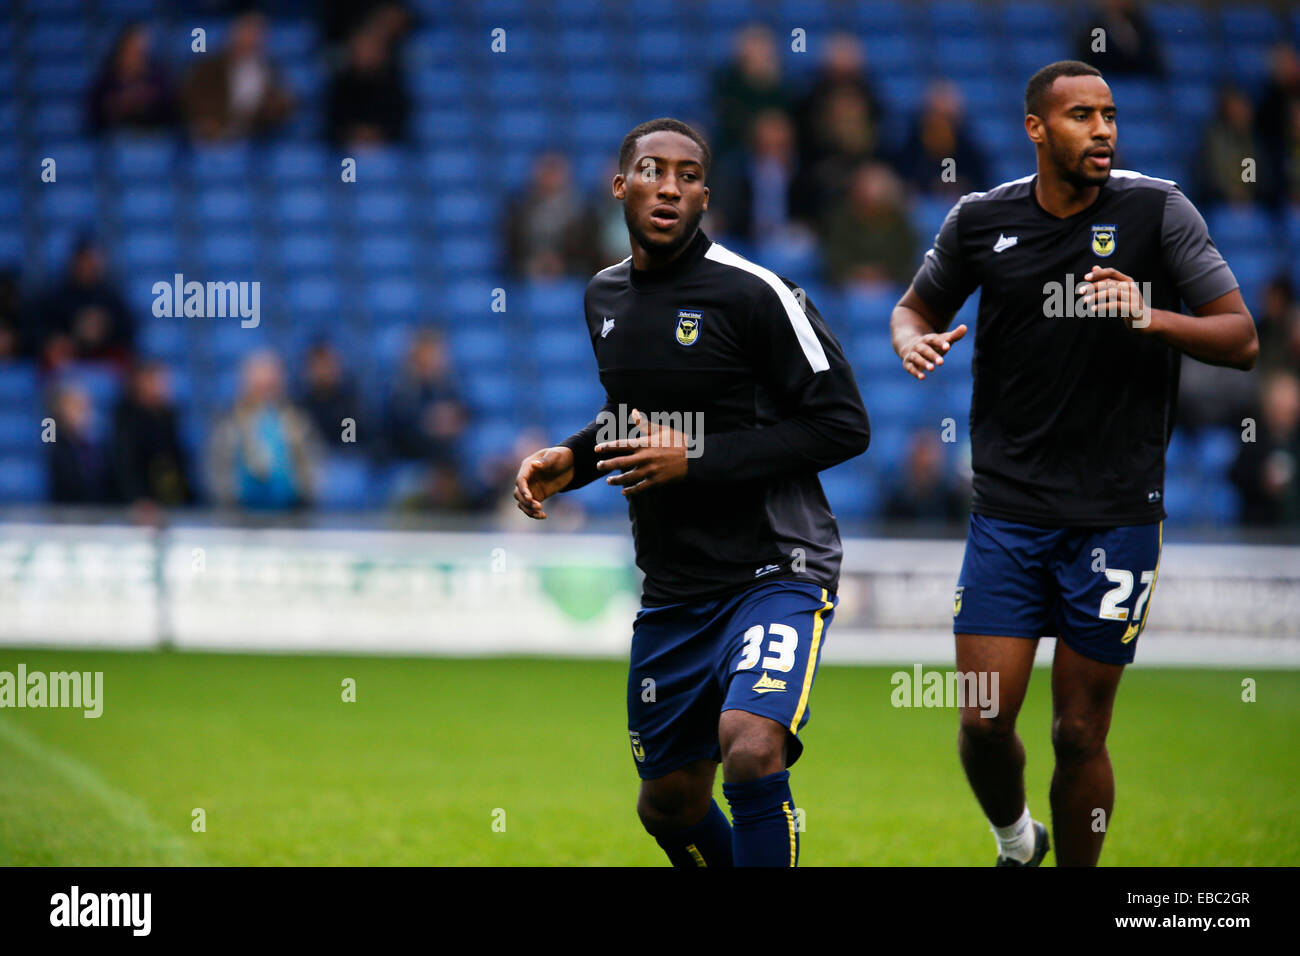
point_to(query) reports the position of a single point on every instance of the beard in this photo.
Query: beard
(658, 245)
(1072, 168)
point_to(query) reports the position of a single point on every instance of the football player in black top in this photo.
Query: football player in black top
(740, 394)
(1071, 413)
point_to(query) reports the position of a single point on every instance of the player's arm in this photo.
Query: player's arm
(1220, 330)
(798, 358)
(920, 334)
(918, 326)
(563, 467)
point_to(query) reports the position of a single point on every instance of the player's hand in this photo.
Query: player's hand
(657, 457)
(541, 475)
(1109, 292)
(924, 352)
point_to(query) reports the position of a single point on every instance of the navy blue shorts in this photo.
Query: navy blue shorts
(1089, 586)
(755, 651)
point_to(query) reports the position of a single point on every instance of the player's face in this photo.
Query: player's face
(1080, 130)
(663, 193)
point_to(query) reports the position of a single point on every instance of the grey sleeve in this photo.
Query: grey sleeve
(945, 279)
(1190, 255)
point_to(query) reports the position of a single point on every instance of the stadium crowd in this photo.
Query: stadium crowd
(804, 164)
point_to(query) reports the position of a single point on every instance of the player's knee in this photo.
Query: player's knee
(980, 730)
(1076, 738)
(752, 746)
(664, 806)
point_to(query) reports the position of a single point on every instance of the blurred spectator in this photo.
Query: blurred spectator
(869, 238)
(1278, 321)
(236, 92)
(263, 453)
(847, 138)
(149, 461)
(80, 473)
(1274, 122)
(924, 491)
(367, 96)
(440, 488)
(1229, 140)
(748, 85)
(329, 396)
(939, 134)
(548, 227)
(426, 416)
(340, 19)
(1265, 470)
(132, 91)
(758, 193)
(84, 317)
(1127, 46)
(840, 90)
(609, 239)
(12, 344)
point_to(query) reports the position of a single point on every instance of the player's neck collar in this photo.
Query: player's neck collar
(656, 278)
(1033, 198)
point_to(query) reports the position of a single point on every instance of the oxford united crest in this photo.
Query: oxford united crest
(1103, 240)
(956, 601)
(637, 750)
(688, 326)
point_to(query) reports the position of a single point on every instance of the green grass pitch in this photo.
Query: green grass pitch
(434, 752)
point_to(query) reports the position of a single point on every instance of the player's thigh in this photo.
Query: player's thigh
(1106, 578)
(769, 661)
(672, 696)
(1002, 667)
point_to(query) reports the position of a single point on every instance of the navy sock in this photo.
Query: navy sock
(763, 811)
(708, 843)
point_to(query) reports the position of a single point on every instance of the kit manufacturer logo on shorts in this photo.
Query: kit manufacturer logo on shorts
(688, 326)
(1103, 240)
(766, 685)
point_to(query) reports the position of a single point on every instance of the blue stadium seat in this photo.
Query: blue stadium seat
(227, 164)
(228, 252)
(147, 205)
(493, 393)
(891, 54)
(51, 119)
(308, 252)
(343, 483)
(378, 254)
(164, 339)
(18, 382)
(67, 203)
(152, 250)
(22, 479)
(439, 85)
(304, 207)
(446, 168)
(296, 163)
(967, 57)
(1249, 24)
(384, 209)
(144, 160)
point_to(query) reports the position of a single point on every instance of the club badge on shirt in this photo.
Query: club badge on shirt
(688, 326)
(1103, 239)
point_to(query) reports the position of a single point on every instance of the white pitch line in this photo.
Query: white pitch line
(122, 807)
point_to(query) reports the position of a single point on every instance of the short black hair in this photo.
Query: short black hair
(1040, 84)
(628, 148)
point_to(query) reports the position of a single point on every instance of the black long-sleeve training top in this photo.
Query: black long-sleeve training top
(717, 342)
